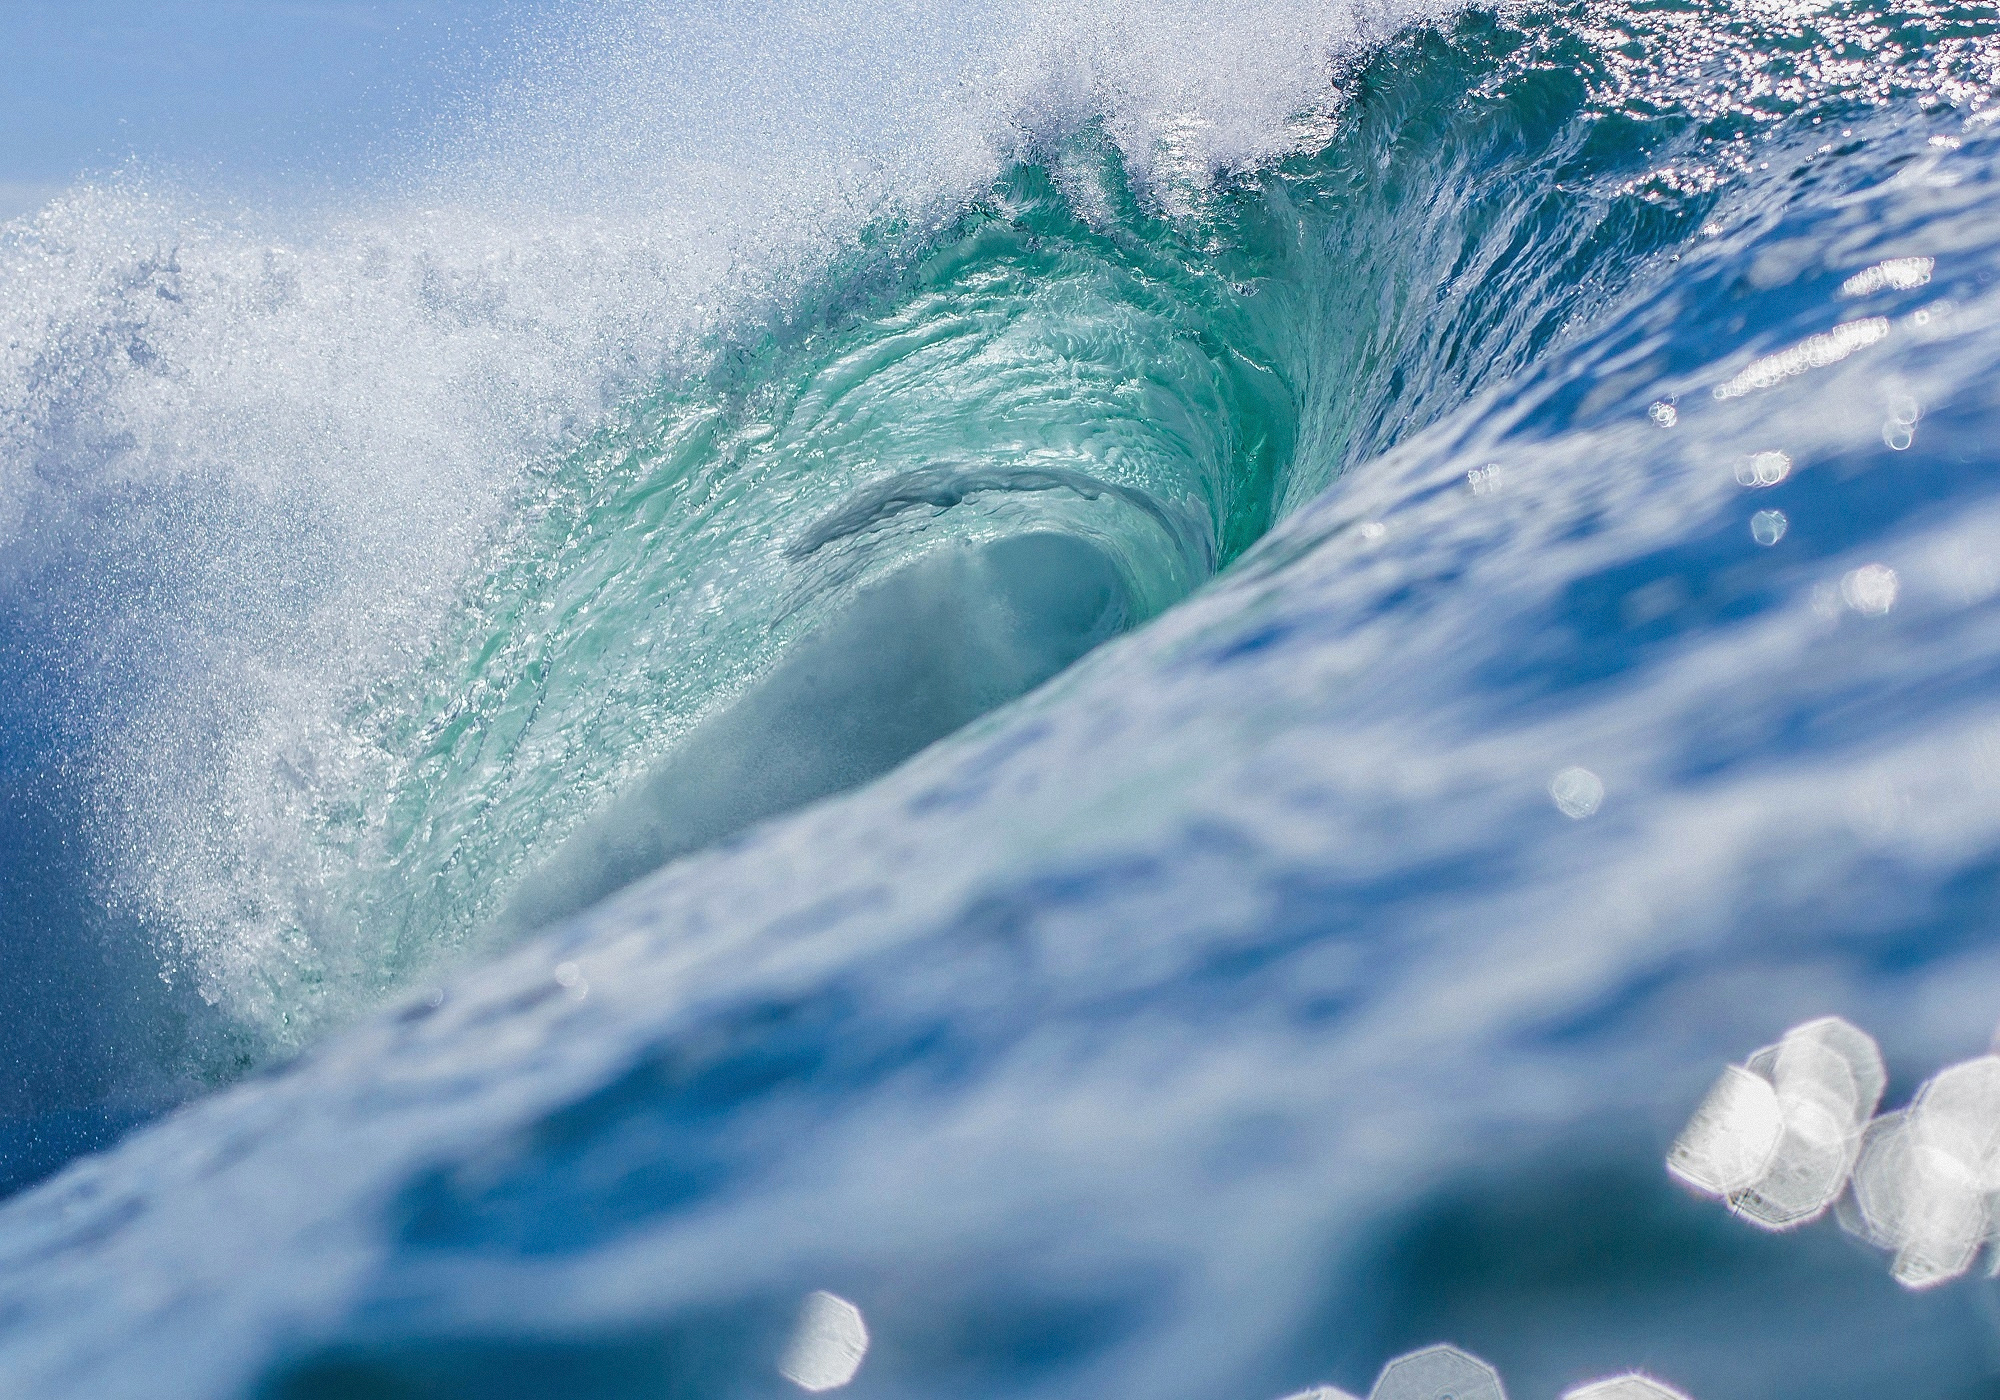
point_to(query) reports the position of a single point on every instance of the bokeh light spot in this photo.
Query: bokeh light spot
(1577, 793)
(827, 1345)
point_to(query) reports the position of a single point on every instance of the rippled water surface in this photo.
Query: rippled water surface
(1099, 705)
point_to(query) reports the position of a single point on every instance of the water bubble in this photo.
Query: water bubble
(1767, 527)
(1665, 414)
(1438, 1373)
(827, 1345)
(1631, 1386)
(1373, 530)
(1321, 1392)
(1577, 793)
(1485, 480)
(1763, 469)
(1870, 590)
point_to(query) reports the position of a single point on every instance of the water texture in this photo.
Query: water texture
(1357, 602)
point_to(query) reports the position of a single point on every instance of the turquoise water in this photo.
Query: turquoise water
(1159, 732)
(1063, 356)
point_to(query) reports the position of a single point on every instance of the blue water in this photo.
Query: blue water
(1151, 693)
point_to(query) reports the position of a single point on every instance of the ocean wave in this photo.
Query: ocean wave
(1436, 565)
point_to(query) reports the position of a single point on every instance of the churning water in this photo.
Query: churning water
(1121, 702)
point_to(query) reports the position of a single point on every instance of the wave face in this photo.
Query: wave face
(1342, 603)
(358, 556)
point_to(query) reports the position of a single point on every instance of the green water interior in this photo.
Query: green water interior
(1149, 380)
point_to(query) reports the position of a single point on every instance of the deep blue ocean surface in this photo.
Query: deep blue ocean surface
(1119, 703)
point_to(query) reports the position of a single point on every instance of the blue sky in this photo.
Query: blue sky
(224, 91)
